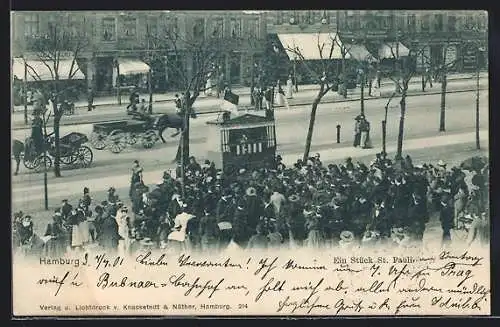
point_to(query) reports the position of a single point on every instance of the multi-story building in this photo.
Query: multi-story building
(123, 38)
(126, 38)
(426, 30)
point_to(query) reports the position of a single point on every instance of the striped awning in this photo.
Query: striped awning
(392, 50)
(308, 46)
(37, 70)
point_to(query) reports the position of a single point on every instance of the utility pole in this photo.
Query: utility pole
(45, 179)
(363, 93)
(118, 93)
(25, 92)
(150, 87)
(478, 144)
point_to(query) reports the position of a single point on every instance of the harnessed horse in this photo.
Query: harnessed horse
(161, 122)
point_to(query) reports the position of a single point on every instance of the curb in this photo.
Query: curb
(292, 105)
(247, 93)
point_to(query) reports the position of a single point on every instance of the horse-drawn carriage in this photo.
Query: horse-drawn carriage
(73, 151)
(116, 135)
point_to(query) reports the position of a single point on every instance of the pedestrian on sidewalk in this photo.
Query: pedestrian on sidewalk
(90, 99)
(364, 128)
(357, 131)
(427, 78)
(257, 96)
(378, 77)
(289, 87)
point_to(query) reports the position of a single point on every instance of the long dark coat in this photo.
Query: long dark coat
(109, 236)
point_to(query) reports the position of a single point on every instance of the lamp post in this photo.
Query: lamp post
(478, 52)
(150, 86)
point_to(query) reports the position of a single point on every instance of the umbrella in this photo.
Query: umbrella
(474, 163)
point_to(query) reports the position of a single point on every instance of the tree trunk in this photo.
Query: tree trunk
(443, 104)
(363, 94)
(402, 104)
(311, 127)
(57, 143)
(150, 89)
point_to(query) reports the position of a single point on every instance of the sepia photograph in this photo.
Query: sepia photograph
(250, 162)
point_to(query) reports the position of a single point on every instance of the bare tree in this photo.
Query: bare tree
(53, 50)
(326, 49)
(401, 76)
(202, 54)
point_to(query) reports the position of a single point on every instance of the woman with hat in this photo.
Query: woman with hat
(177, 239)
(54, 234)
(313, 225)
(259, 240)
(295, 220)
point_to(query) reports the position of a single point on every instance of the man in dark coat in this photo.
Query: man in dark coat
(254, 207)
(109, 237)
(380, 220)
(225, 207)
(446, 216)
(208, 231)
(241, 230)
(66, 209)
(418, 215)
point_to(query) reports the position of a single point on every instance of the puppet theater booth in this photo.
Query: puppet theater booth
(247, 141)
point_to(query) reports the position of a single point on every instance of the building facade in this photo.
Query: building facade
(113, 36)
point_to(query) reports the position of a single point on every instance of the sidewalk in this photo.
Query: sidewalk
(241, 91)
(303, 97)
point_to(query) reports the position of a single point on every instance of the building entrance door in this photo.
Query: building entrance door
(235, 67)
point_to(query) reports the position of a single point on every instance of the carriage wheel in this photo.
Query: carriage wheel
(98, 140)
(84, 156)
(30, 163)
(68, 160)
(131, 138)
(116, 142)
(40, 163)
(149, 139)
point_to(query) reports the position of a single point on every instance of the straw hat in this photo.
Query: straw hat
(147, 242)
(224, 225)
(293, 198)
(251, 191)
(346, 236)
(441, 163)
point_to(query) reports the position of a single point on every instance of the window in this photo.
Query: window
(452, 23)
(306, 17)
(279, 17)
(438, 22)
(171, 25)
(75, 26)
(323, 15)
(399, 21)
(218, 27)
(235, 27)
(108, 29)
(425, 24)
(469, 22)
(129, 27)
(349, 20)
(31, 25)
(199, 28)
(293, 17)
(254, 28)
(152, 26)
(411, 22)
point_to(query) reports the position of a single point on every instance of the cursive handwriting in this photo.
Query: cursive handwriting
(197, 284)
(266, 265)
(60, 281)
(291, 264)
(270, 286)
(106, 281)
(145, 259)
(186, 260)
(446, 255)
(305, 303)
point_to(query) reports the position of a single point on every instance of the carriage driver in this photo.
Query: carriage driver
(37, 133)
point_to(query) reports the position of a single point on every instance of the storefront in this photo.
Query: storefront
(34, 74)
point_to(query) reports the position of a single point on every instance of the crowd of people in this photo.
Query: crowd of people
(309, 204)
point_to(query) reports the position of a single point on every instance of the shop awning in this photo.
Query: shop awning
(359, 52)
(392, 50)
(132, 66)
(37, 70)
(307, 45)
